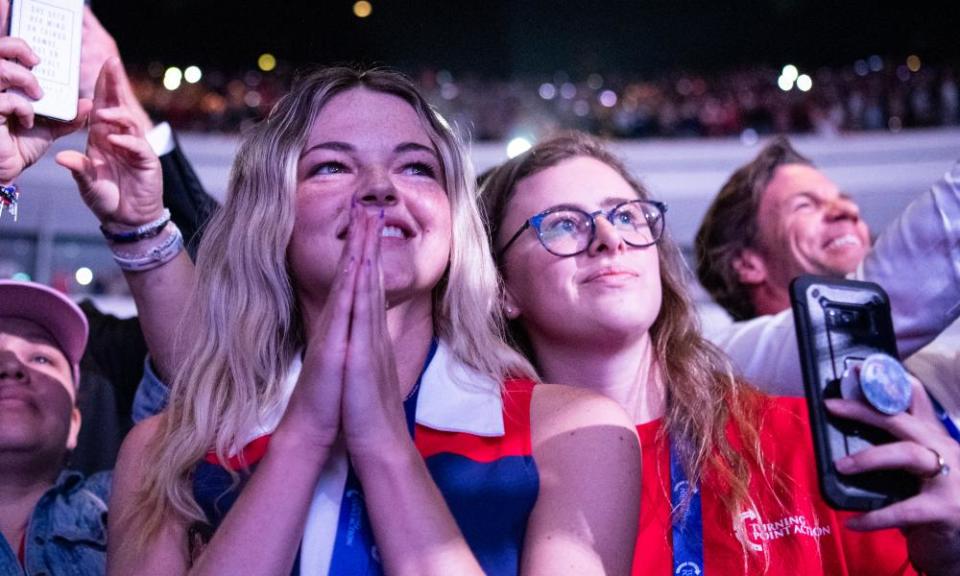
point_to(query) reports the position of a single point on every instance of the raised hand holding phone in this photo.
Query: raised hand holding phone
(23, 138)
(52, 28)
(841, 325)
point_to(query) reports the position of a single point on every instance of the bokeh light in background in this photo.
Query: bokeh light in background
(266, 62)
(362, 9)
(608, 98)
(83, 276)
(172, 78)
(192, 74)
(547, 91)
(787, 77)
(913, 63)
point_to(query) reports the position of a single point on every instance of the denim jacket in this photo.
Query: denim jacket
(67, 533)
(151, 396)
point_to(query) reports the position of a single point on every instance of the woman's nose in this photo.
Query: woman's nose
(605, 236)
(378, 191)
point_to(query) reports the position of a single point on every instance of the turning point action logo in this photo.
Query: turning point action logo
(758, 532)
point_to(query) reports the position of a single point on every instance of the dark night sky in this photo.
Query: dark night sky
(500, 38)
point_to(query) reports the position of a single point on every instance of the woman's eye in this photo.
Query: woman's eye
(563, 225)
(42, 359)
(327, 168)
(420, 169)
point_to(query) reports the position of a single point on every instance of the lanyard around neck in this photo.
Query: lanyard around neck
(687, 529)
(944, 418)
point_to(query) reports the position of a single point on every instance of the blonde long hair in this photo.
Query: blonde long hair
(244, 317)
(703, 396)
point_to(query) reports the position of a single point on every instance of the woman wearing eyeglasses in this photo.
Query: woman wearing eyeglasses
(595, 292)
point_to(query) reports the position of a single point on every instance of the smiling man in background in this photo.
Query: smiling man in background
(777, 217)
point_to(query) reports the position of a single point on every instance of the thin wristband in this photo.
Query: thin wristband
(148, 230)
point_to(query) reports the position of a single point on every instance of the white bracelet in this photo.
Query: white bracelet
(154, 257)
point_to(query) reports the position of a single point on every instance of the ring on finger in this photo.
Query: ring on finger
(942, 467)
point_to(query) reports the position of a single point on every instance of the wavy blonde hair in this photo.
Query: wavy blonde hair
(703, 396)
(245, 323)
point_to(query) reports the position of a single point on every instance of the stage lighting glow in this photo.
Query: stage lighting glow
(172, 78)
(518, 146)
(568, 91)
(595, 81)
(608, 98)
(895, 124)
(266, 62)
(876, 63)
(804, 83)
(252, 98)
(547, 91)
(913, 63)
(785, 84)
(790, 72)
(860, 67)
(83, 276)
(749, 137)
(22, 276)
(581, 108)
(362, 9)
(449, 91)
(192, 74)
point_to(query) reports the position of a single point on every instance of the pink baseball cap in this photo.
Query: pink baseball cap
(51, 309)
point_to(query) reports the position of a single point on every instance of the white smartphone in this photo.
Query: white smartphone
(52, 28)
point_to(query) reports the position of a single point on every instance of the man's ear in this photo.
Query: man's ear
(74, 428)
(750, 266)
(511, 309)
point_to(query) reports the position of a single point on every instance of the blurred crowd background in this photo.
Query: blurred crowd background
(873, 93)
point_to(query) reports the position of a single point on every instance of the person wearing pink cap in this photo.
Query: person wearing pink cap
(53, 520)
(113, 363)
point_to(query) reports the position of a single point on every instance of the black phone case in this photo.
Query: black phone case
(838, 322)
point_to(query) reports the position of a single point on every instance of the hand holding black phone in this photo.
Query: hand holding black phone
(841, 324)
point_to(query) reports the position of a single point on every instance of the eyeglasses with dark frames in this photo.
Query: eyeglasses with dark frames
(567, 231)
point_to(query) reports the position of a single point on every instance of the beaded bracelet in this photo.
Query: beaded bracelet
(9, 195)
(154, 257)
(148, 230)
